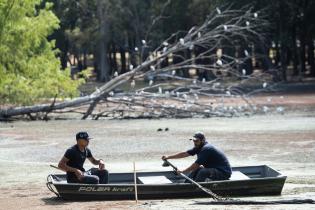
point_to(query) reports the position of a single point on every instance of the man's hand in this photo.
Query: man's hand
(179, 172)
(101, 165)
(164, 157)
(79, 174)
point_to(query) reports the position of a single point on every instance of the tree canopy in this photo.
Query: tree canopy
(29, 67)
(289, 37)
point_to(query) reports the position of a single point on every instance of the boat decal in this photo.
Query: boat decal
(105, 189)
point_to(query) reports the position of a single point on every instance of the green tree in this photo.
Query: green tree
(29, 67)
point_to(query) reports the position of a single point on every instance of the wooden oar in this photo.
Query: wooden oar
(135, 181)
(229, 201)
(206, 190)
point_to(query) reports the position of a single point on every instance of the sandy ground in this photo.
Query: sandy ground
(285, 142)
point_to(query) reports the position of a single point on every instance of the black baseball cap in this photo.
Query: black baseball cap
(198, 135)
(82, 135)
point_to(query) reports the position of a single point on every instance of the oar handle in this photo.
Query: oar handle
(170, 164)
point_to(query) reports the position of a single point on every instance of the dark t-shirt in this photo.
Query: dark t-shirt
(76, 160)
(211, 157)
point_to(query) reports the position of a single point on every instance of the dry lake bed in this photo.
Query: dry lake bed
(284, 142)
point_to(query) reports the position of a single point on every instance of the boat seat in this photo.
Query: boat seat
(154, 180)
(237, 175)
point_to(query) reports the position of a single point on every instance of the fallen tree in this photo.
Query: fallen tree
(168, 91)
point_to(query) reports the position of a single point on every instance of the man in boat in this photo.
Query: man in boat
(74, 158)
(211, 162)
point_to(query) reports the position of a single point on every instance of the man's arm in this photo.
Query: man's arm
(63, 165)
(176, 156)
(193, 167)
(94, 161)
(99, 162)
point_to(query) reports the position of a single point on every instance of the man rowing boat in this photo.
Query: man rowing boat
(74, 158)
(211, 162)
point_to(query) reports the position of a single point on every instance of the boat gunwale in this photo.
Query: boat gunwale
(281, 177)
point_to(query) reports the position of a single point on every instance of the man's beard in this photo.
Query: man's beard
(199, 146)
